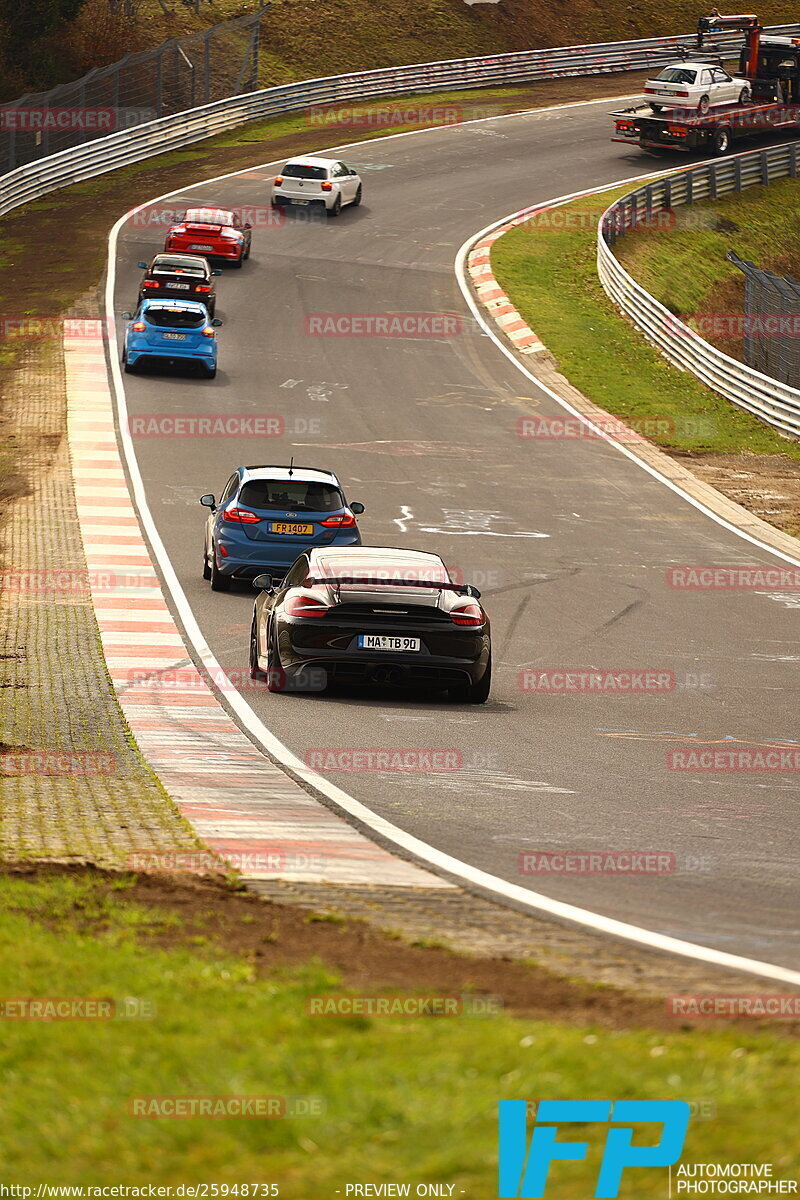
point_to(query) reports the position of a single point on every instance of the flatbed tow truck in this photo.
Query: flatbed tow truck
(772, 66)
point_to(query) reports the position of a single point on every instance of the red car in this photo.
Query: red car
(212, 233)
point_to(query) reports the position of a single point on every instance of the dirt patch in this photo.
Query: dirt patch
(217, 915)
(766, 484)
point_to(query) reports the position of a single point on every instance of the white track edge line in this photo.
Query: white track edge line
(421, 851)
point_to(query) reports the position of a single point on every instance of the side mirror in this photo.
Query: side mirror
(248, 225)
(469, 590)
(216, 322)
(208, 501)
(263, 583)
(142, 266)
(216, 272)
(127, 316)
(357, 507)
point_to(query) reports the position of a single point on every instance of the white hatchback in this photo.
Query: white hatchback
(315, 181)
(696, 85)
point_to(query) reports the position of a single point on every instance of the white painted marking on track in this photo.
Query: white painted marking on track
(404, 519)
(437, 859)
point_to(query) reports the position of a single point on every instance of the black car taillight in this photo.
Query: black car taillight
(305, 606)
(467, 614)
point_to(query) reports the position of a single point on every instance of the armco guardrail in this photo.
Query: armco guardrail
(772, 401)
(170, 133)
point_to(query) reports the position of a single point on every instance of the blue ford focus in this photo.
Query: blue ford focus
(267, 516)
(173, 331)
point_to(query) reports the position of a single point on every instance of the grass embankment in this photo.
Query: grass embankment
(305, 38)
(549, 271)
(404, 1099)
(685, 266)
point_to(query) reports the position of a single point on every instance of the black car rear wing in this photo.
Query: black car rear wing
(461, 589)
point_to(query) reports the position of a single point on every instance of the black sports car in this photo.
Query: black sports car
(179, 277)
(370, 615)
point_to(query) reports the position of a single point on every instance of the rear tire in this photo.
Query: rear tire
(357, 197)
(721, 142)
(130, 368)
(703, 105)
(336, 207)
(275, 674)
(475, 693)
(211, 372)
(656, 107)
(206, 567)
(255, 669)
(237, 262)
(219, 582)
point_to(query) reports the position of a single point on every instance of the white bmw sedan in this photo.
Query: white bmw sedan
(317, 181)
(696, 85)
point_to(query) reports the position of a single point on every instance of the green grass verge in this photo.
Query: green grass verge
(549, 272)
(404, 1099)
(685, 266)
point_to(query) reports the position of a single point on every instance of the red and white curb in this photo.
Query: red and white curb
(492, 296)
(243, 807)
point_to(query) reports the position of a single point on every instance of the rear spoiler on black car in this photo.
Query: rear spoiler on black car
(461, 589)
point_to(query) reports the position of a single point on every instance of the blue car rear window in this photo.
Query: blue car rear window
(298, 495)
(176, 318)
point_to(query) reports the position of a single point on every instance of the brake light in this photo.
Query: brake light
(176, 229)
(209, 332)
(149, 283)
(651, 89)
(305, 606)
(201, 287)
(683, 95)
(467, 614)
(676, 131)
(242, 515)
(138, 327)
(278, 180)
(624, 127)
(342, 521)
(327, 187)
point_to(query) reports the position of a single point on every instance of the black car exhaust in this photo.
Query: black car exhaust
(386, 675)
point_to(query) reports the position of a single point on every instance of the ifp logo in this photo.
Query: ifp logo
(524, 1169)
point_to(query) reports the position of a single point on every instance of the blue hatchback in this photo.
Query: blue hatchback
(267, 516)
(172, 330)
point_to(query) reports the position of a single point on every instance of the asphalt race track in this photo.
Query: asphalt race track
(568, 540)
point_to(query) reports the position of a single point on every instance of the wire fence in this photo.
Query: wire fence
(181, 73)
(771, 325)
